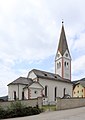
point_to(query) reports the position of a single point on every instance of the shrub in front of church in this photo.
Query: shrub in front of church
(2, 112)
(18, 110)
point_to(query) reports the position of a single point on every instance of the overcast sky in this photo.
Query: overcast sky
(29, 35)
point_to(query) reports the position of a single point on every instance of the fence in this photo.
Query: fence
(70, 103)
(30, 102)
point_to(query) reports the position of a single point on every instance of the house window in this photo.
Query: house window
(46, 90)
(23, 95)
(55, 93)
(82, 90)
(78, 91)
(14, 95)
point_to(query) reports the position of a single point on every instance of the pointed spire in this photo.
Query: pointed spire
(62, 47)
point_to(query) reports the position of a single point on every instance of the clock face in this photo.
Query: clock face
(66, 54)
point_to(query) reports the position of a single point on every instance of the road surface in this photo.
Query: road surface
(71, 114)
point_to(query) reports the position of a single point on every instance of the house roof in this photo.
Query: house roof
(63, 46)
(81, 82)
(4, 98)
(48, 75)
(22, 80)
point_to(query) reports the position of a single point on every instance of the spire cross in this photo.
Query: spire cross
(62, 21)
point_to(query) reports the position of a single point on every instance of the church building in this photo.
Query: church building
(40, 83)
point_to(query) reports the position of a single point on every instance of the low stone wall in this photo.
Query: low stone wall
(30, 102)
(70, 103)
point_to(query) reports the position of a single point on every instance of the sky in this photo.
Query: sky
(29, 36)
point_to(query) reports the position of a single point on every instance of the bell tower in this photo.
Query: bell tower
(63, 58)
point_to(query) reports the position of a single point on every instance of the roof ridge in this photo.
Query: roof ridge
(46, 72)
(55, 76)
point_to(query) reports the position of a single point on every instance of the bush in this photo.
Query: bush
(2, 112)
(18, 110)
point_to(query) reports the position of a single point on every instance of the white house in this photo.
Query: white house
(45, 84)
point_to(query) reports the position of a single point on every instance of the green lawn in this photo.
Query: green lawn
(49, 107)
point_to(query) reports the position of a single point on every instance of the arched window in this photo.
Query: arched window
(22, 95)
(46, 90)
(64, 91)
(55, 93)
(58, 65)
(65, 63)
(14, 95)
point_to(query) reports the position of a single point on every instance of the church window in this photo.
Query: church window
(14, 95)
(58, 65)
(65, 64)
(64, 91)
(82, 90)
(23, 95)
(46, 88)
(55, 76)
(55, 93)
(45, 74)
(35, 92)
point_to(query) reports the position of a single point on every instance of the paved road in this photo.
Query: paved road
(72, 114)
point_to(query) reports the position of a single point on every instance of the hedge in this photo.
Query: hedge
(18, 110)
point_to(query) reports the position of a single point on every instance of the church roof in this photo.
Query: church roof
(48, 75)
(22, 80)
(63, 46)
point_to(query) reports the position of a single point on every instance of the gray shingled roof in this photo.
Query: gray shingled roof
(48, 75)
(81, 82)
(63, 46)
(4, 98)
(22, 80)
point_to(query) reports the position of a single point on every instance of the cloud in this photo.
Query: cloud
(78, 69)
(29, 34)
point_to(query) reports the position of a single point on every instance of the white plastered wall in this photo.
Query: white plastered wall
(31, 75)
(60, 88)
(18, 89)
